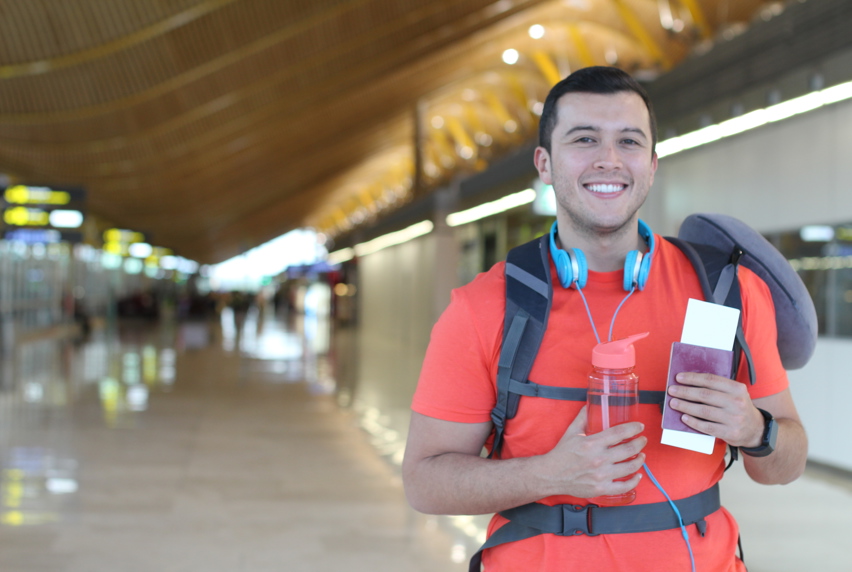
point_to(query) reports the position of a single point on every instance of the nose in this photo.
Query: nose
(608, 158)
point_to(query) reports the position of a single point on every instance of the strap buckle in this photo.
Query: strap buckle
(577, 519)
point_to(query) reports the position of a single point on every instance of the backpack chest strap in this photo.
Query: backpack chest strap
(591, 520)
(532, 389)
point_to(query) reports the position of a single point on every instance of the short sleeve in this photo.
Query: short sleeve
(457, 378)
(761, 335)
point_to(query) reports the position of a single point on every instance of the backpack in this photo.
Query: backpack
(715, 244)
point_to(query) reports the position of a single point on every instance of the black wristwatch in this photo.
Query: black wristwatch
(770, 434)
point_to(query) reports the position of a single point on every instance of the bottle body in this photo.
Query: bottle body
(613, 398)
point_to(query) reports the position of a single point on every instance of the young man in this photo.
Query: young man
(597, 140)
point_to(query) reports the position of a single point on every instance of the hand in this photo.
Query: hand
(587, 466)
(718, 406)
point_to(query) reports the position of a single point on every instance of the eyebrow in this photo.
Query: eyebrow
(597, 129)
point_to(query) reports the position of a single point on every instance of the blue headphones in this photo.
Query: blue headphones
(574, 272)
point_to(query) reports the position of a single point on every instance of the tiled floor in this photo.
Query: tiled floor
(195, 448)
(228, 463)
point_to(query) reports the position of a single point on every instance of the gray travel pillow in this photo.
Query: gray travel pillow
(795, 315)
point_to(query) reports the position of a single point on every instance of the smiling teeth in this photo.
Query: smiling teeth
(605, 188)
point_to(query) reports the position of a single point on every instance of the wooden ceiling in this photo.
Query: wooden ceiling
(216, 125)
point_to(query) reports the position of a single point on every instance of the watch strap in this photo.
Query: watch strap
(767, 443)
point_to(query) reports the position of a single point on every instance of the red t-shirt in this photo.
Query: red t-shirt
(458, 383)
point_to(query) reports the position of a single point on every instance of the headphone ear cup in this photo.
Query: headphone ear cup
(632, 270)
(571, 266)
(579, 266)
(563, 267)
(644, 271)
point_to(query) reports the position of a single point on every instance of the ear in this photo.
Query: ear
(542, 163)
(653, 169)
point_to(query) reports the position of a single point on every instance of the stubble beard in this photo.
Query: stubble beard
(584, 223)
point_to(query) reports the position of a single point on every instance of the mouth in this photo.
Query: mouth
(605, 188)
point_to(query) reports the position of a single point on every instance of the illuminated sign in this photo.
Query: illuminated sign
(844, 233)
(44, 209)
(24, 195)
(124, 242)
(41, 236)
(123, 236)
(141, 250)
(23, 216)
(60, 218)
(63, 218)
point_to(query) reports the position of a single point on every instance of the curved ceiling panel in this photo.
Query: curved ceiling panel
(215, 125)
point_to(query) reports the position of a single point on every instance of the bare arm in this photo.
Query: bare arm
(444, 473)
(722, 408)
(787, 462)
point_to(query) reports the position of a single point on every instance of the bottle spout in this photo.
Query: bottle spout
(617, 354)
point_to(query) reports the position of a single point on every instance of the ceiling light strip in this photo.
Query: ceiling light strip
(494, 207)
(755, 119)
(382, 242)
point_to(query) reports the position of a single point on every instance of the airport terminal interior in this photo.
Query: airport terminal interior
(230, 225)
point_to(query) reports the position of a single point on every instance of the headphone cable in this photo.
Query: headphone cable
(683, 530)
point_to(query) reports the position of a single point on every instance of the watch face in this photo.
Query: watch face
(771, 434)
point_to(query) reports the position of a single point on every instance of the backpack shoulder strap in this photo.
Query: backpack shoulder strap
(717, 272)
(529, 293)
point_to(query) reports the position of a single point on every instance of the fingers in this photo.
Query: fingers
(621, 433)
(628, 455)
(592, 465)
(616, 477)
(706, 388)
(622, 486)
(612, 449)
(708, 397)
(714, 405)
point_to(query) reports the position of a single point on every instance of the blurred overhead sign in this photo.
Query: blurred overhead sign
(119, 240)
(29, 195)
(39, 214)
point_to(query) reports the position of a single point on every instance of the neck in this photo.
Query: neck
(605, 250)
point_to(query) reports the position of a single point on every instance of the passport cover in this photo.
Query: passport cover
(698, 359)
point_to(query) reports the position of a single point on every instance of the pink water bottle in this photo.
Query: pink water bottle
(613, 396)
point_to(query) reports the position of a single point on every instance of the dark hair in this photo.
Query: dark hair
(595, 79)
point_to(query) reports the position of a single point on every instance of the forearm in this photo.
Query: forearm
(459, 483)
(787, 462)
(444, 473)
(723, 408)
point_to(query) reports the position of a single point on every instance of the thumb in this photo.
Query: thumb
(578, 425)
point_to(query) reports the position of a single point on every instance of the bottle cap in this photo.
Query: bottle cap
(617, 354)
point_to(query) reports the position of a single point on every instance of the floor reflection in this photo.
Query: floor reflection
(78, 417)
(120, 371)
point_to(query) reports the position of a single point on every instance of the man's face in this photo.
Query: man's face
(600, 164)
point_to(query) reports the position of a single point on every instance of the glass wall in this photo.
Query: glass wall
(44, 286)
(31, 286)
(822, 255)
(485, 242)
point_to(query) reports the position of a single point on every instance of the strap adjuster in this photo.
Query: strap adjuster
(736, 255)
(577, 519)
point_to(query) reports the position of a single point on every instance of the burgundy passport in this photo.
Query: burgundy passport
(697, 359)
